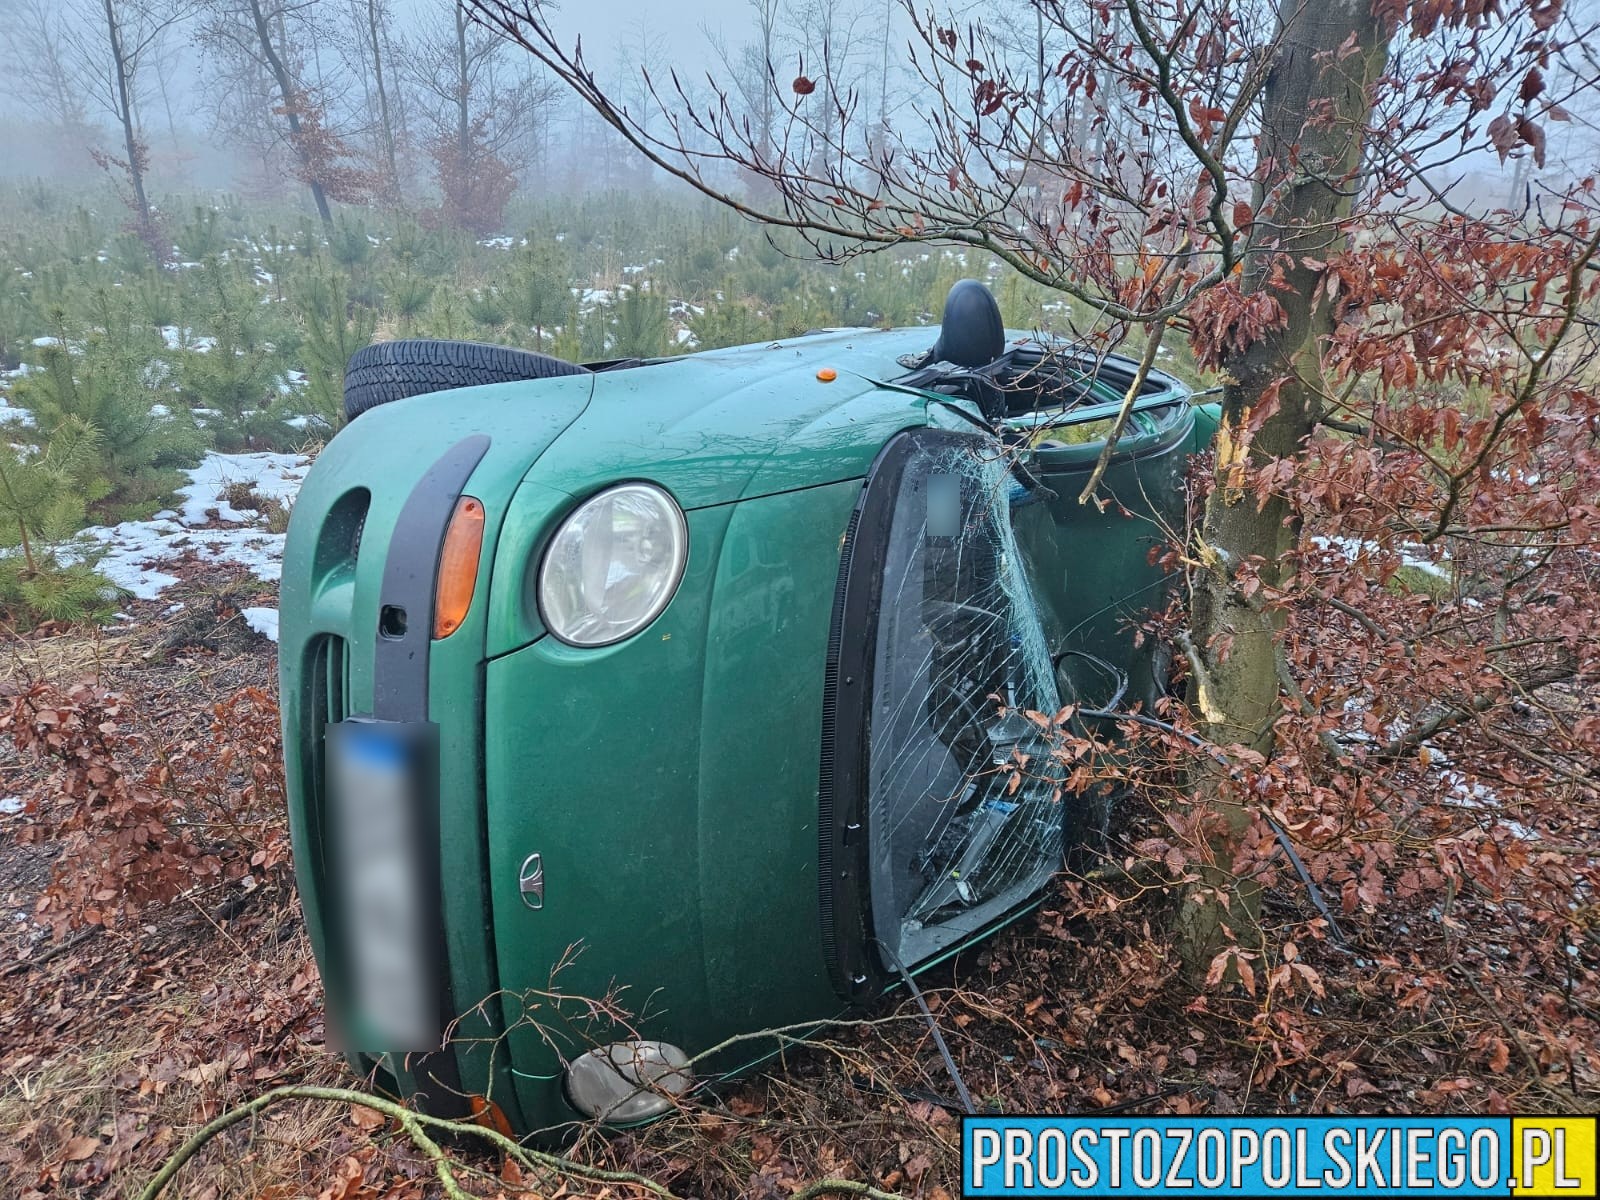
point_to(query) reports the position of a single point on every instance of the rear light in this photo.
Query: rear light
(458, 567)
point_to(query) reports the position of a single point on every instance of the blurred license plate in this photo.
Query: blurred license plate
(378, 793)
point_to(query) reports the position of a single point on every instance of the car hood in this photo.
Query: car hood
(735, 424)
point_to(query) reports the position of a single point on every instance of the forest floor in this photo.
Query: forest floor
(117, 1043)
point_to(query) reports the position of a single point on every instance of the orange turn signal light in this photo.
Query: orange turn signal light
(458, 567)
(487, 1113)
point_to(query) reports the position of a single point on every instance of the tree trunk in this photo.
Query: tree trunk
(1329, 55)
(383, 97)
(291, 96)
(463, 125)
(130, 141)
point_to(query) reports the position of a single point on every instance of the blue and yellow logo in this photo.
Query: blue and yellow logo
(1553, 1156)
(1280, 1156)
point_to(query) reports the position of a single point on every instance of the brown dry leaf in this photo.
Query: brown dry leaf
(348, 1183)
(918, 1165)
(79, 1148)
(1500, 1056)
(366, 1118)
(743, 1104)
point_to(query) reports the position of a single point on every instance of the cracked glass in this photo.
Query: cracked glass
(965, 799)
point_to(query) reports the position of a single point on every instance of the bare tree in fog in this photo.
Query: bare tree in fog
(110, 52)
(477, 101)
(73, 60)
(749, 69)
(368, 55)
(39, 74)
(270, 36)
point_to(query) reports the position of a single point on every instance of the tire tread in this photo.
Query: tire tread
(387, 371)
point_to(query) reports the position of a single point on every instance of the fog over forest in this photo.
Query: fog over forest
(201, 102)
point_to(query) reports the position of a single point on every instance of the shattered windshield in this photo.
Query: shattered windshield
(965, 805)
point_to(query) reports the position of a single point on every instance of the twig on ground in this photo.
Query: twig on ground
(420, 1129)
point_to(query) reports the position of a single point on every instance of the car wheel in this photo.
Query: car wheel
(388, 371)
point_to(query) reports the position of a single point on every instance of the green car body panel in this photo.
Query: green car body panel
(669, 783)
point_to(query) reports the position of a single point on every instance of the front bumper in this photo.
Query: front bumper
(364, 536)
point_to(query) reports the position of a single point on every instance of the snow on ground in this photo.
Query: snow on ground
(1410, 554)
(263, 620)
(186, 339)
(10, 412)
(277, 476)
(205, 524)
(10, 805)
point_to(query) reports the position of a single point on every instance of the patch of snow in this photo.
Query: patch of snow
(263, 620)
(129, 553)
(1353, 548)
(10, 412)
(186, 339)
(277, 476)
(686, 337)
(47, 341)
(593, 297)
(10, 805)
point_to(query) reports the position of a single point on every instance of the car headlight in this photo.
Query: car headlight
(613, 565)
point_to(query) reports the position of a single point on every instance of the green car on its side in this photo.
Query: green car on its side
(703, 678)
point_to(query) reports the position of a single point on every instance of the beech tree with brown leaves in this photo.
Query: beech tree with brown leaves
(255, 34)
(477, 107)
(1400, 514)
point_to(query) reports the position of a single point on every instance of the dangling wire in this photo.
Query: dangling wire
(933, 1027)
(1222, 760)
